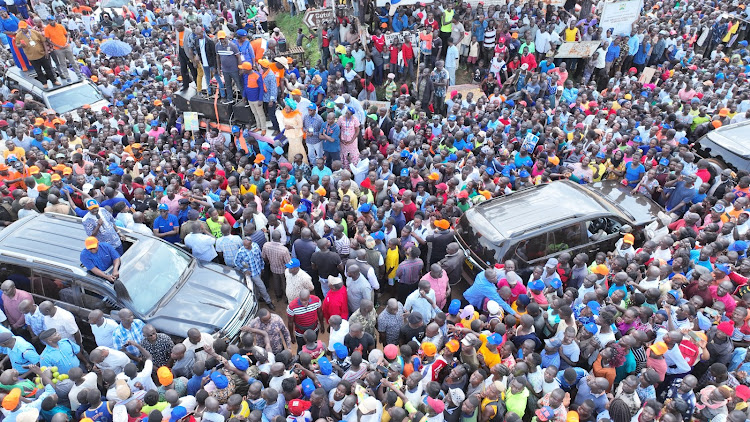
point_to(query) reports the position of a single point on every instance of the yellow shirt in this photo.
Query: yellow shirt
(570, 34)
(490, 359)
(391, 261)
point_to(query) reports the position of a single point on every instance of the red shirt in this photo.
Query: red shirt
(406, 51)
(409, 211)
(394, 54)
(379, 42)
(304, 317)
(326, 40)
(335, 304)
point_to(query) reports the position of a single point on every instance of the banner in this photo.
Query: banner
(577, 50)
(463, 90)
(391, 37)
(620, 16)
(191, 120)
(396, 3)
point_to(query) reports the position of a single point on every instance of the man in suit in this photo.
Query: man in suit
(185, 43)
(204, 50)
(384, 121)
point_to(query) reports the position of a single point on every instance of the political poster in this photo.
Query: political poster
(577, 50)
(529, 142)
(620, 15)
(392, 37)
(397, 3)
(191, 120)
(463, 90)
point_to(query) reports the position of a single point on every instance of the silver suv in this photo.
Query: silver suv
(69, 96)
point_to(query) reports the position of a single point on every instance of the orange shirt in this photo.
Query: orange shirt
(181, 37)
(57, 35)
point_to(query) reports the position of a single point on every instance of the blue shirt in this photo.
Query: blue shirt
(550, 360)
(546, 65)
(167, 225)
(634, 173)
(22, 354)
(64, 356)
(613, 52)
(103, 258)
(580, 373)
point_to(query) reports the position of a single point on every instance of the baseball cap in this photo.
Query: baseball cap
(91, 242)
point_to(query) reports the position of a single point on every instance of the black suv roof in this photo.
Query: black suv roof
(56, 239)
(539, 206)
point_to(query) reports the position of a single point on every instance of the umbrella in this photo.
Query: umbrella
(116, 48)
(114, 3)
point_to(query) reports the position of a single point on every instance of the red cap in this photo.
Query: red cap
(297, 407)
(726, 327)
(743, 392)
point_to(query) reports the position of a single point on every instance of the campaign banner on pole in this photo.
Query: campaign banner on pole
(191, 120)
(620, 15)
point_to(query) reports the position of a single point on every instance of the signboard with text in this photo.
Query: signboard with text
(620, 15)
(577, 50)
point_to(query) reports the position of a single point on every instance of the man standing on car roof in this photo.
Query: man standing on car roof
(9, 26)
(33, 44)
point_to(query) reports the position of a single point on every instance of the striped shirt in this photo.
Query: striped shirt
(229, 246)
(250, 260)
(304, 317)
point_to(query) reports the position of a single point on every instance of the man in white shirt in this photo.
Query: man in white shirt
(61, 320)
(202, 245)
(139, 381)
(80, 382)
(102, 328)
(107, 358)
(196, 341)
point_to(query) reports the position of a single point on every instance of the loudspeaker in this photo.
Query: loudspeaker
(181, 99)
(243, 114)
(206, 107)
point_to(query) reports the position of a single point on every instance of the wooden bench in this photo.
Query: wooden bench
(298, 53)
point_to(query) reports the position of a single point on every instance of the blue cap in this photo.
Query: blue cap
(601, 155)
(378, 235)
(91, 202)
(308, 386)
(340, 350)
(235, 129)
(130, 97)
(240, 362)
(178, 413)
(684, 140)
(163, 207)
(495, 339)
(555, 283)
(220, 380)
(293, 263)
(666, 126)
(591, 328)
(364, 208)
(738, 246)
(453, 157)
(452, 117)
(505, 171)
(536, 285)
(279, 150)
(241, 33)
(524, 173)
(312, 106)
(454, 307)
(510, 103)
(703, 322)
(553, 342)
(159, 189)
(120, 104)
(112, 167)
(404, 172)
(523, 299)
(302, 208)
(351, 109)
(325, 366)
(719, 208)
(664, 162)
(490, 171)
(675, 294)
(37, 131)
(723, 268)
(743, 43)
(594, 306)
(404, 153)
(637, 139)
(211, 160)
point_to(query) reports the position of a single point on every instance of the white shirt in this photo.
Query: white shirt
(89, 381)
(202, 246)
(143, 378)
(63, 322)
(115, 360)
(337, 336)
(206, 339)
(103, 333)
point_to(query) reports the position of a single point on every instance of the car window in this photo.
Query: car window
(91, 299)
(50, 286)
(532, 248)
(70, 99)
(566, 237)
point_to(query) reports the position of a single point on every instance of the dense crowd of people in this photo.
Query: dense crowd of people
(342, 209)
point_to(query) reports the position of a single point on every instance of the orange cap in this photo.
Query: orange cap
(287, 208)
(22, 24)
(56, 178)
(601, 269)
(259, 158)
(442, 224)
(33, 170)
(321, 191)
(716, 124)
(42, 187)
(199, 172)
(67, 171)
(38, 121)
(659, 348)
(165, 376)
(10, 402)
(429, 349)
(452, 345)
(91, 242)
(434, 176)
(628, 238)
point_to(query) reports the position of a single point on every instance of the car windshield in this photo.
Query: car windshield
(150, 272)
(65, 100)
